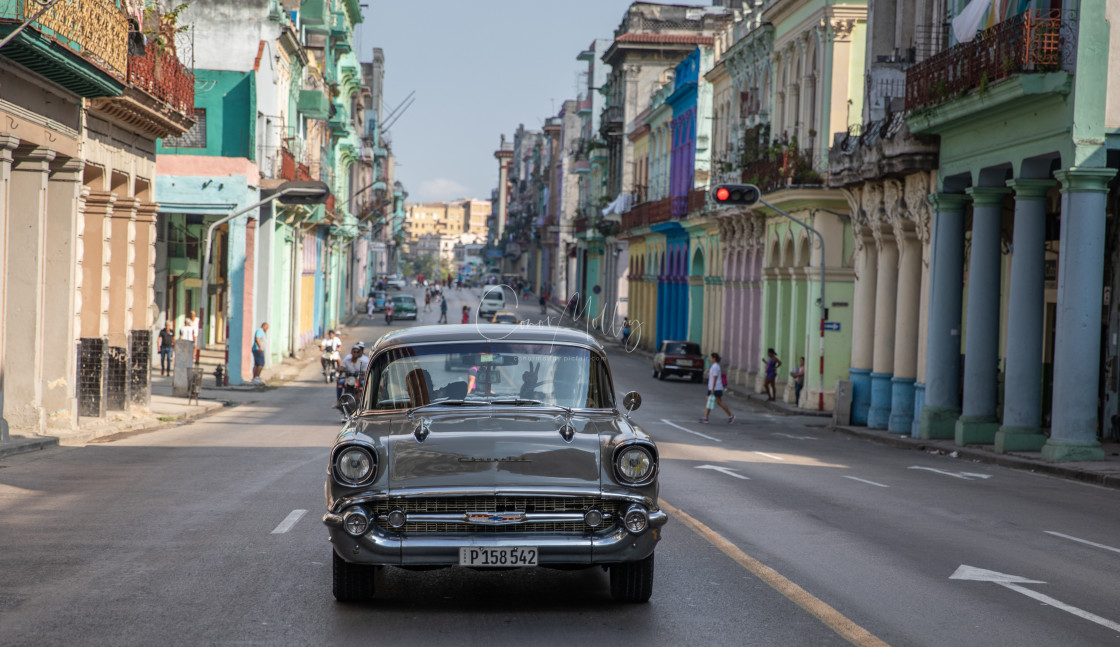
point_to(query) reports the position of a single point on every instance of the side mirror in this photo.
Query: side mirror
(347, 404)
(632, 401)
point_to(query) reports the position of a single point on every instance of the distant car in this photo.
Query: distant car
(505, 317)
(493, 300)
(379, 297)
(396, 282)
(681, 358)
(404, 306)
(525, 463)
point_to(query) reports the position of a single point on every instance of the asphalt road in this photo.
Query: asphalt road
(781, 533)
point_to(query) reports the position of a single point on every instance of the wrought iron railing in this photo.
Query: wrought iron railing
(97, 28)
(1037, 40)
(160, 74)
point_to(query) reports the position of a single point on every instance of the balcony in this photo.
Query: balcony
(313, 104)
(611, 122)
(579, 225)
(82, 46)
(313, 15)
(1037, 40)
(159, 99)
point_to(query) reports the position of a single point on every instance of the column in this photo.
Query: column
(906, 333)
(882, 363)
(923, 320)
(1077, 337)
(7, 145)
(978, 422)
(1022, 403)
(863, 327)
(23, 312)
(943, 338)
(118, 285)
(95, 214)
(59, 360)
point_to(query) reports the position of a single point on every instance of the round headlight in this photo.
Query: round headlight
(356, 521)
(635, 464)
(354, 465)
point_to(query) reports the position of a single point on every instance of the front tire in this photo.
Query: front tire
(632, 581)
(353, 582)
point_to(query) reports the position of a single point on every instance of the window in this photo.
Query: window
(193, 138)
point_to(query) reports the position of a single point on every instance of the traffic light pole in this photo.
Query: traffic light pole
(820, 346)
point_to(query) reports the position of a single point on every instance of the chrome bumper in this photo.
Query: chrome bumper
(379, 547)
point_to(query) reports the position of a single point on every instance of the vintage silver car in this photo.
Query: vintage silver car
(511, 454)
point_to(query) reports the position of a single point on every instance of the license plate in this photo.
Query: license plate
(504, 556)
(683, 362)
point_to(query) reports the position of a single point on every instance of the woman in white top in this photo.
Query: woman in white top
(715, 391)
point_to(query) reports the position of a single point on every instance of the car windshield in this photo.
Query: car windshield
(678, 348)
(489, 372)
(404, 299)
(378, 294)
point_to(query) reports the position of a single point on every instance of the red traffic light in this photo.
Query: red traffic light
(740, 194)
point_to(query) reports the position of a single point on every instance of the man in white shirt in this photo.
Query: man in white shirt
(356, 362)
(330, 346)
(189, 331)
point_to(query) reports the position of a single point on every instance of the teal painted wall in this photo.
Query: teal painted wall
(230, 102)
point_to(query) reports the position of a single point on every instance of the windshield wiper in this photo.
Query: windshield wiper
(517, 402)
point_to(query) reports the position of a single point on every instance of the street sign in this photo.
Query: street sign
(832, 326)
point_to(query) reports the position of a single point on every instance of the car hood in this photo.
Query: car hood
(493, 449)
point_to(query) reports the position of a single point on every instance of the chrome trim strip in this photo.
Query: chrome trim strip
(461, 518)
(344, 502)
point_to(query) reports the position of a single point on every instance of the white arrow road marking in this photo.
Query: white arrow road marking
(1013, 582)
(1084, 541)
(726, 470)
(968, 476)
(777, 458)
(795, 437)
(691, 431)
(288, 522)
(867, 482)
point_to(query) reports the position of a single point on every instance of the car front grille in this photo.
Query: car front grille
(495, 504)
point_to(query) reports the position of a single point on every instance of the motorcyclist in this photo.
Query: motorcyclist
(389, 311)
(330, 347)
(353, 365)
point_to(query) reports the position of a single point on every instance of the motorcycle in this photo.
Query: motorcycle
(388, 316)
(331, 360)
(349, 382)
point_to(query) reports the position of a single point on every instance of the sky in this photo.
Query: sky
(479, 68)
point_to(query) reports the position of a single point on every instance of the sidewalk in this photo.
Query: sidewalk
(164, 409)
(1105, 473)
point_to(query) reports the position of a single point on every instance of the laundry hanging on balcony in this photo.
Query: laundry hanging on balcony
(971, 19)
(621, 205)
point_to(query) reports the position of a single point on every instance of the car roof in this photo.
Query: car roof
(404, 296)
(483, 332)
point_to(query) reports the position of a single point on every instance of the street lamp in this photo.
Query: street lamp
(747, 195)
(302, 192)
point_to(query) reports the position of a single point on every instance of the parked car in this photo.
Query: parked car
(493, 300)
(379, 297)
(524, 461)
(396, 282)
(404, 306)
(505, 317)
(681, 358)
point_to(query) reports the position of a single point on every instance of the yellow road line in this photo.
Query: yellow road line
(836, 621)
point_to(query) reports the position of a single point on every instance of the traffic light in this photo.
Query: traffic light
(737, 194)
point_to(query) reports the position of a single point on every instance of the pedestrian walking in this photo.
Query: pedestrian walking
(258, 353)
(442, 310)
(717, 381)
(772, 363)
(166, 348)
(798, 375)
(427, 301)
(190, 328)
(466, 314)
(369, 306)
(625, 330)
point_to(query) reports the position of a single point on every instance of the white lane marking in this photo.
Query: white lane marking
(724, 470)
(777, 458)
(1013, 582)
(289, 521)
(967, 476)
(795, 437)
(690, 431)
(866, 481)
(1084, 541)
